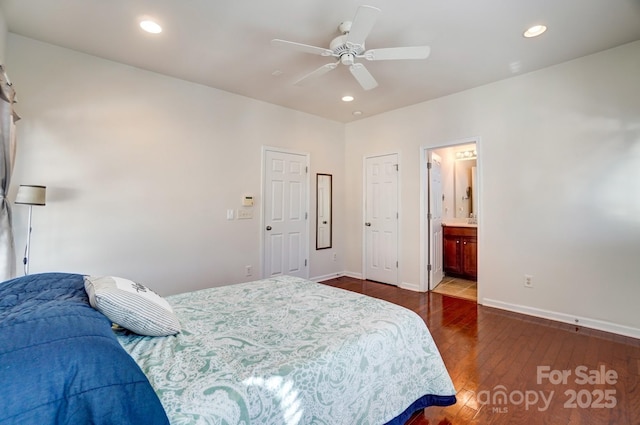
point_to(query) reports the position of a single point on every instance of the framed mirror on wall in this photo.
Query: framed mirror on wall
(323, 210)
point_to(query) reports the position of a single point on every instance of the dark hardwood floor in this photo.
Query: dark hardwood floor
(515, 369)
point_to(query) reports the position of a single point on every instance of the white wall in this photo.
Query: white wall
(140, 169)
(3, 36)
(559, 171)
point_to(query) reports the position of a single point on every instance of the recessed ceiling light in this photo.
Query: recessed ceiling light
(535, 31)
(150, 26)
(357, 113)
(347, 98)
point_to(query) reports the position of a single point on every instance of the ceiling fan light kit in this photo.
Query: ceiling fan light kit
(349, 46)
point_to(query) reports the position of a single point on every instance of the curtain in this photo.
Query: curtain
(7, 158)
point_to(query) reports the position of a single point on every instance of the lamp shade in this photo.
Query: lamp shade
(31, 195)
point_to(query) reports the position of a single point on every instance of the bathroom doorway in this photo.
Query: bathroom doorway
(450, 214)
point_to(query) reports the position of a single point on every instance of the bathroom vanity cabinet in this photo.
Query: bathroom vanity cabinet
(460, 251)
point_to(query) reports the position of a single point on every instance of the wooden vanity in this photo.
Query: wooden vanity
(460, 251)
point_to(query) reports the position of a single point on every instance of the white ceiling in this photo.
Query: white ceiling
(226, 43)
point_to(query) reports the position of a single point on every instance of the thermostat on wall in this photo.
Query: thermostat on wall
(247, 201)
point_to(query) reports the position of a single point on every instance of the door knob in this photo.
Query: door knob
(367, 224)
(268, 227)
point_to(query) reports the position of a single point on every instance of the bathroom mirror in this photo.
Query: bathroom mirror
(465, 187)
(323, 211)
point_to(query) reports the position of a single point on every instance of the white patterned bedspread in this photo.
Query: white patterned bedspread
(289, 351)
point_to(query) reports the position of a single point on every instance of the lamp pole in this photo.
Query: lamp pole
(25, 260)
(30, 195)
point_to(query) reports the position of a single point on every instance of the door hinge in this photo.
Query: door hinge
(306, 215)
(428, 165)
(305, 263)
(396, 264)
(306, 170)
(429, 268)
(397, 215)
(397, 167)
(429, 216)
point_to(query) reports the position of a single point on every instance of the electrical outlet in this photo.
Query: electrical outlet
(528, 281)
(249, 270)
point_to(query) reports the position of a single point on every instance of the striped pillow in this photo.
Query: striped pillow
(131, 305)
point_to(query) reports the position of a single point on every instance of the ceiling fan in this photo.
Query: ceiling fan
(350, 46)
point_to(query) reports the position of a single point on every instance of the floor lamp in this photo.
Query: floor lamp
(30, 195)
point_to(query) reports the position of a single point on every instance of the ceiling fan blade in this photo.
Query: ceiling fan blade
(363, 76)
(315, 74)
(361, 26)
(302, 47)
(395, 53)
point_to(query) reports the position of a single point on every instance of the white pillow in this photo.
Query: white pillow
(131, 305)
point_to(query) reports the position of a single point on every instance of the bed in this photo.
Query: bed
(60, 362)
(275, 351)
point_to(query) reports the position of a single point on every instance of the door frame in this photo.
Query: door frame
(364, 214)
(263, 182)
(425, 231)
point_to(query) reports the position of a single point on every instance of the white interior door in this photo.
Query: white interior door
(285, 232)
(381, 219)
(434, 217)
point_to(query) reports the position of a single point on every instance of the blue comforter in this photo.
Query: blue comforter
(60, 362)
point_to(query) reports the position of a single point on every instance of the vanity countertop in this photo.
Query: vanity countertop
(459, 224)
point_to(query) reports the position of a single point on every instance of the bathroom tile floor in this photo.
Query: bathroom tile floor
(456, 287)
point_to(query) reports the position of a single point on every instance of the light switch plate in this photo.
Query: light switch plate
(245, 214)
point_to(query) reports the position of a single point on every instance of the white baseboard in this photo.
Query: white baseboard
(335, 275)
(409, 286)
(565, 318)
(353, 275)
(327, 277)
(403, 285)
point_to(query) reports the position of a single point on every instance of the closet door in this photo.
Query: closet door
(381, 219)
(285, 232)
